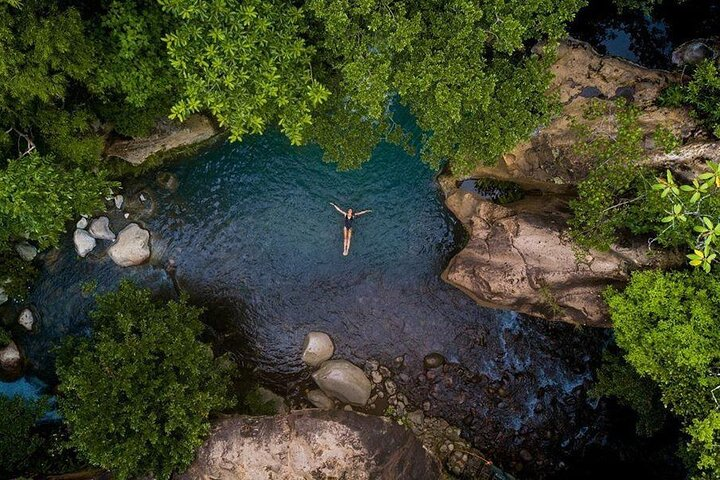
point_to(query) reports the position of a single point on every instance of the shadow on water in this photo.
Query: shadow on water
(646, 39)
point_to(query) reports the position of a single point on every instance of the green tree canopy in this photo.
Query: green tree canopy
(463, 68)
(18, 439)
(137, 395)
(37, 197)
(667, 323)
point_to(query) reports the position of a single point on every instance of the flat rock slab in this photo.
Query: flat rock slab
(132, 246)
(312, 444)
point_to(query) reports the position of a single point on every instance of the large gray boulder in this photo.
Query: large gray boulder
(26, 251)
(342, 380)
(100, 229)
(11, 363)
(309, 444)
(317, 348)
(132, 246)
(84, 242)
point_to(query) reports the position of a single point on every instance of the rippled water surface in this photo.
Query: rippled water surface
(250, 234)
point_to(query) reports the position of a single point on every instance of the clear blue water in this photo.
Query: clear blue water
(251, 236)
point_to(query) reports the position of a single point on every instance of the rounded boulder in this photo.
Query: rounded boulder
(317, 348)
(342, 380)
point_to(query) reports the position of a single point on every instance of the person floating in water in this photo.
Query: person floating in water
(347, 228)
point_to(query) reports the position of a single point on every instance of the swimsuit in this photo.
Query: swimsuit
(348, 222)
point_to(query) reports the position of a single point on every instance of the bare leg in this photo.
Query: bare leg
(349, 237)
(345, 240)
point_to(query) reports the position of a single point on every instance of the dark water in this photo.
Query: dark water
(647, 39)
(253, 238)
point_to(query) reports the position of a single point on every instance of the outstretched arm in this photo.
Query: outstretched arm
(363, 212)
(338, 209)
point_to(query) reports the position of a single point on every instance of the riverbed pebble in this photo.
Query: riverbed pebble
(26, 251)
(433, 360)
(317, 348)
(320, 400)
(100, 229)
(26, 319)
(384, 371)
(82, 223)
(390, 387)
(118, 200)
(3, 296)
(376, 377)
(10, 362)
(84, 242)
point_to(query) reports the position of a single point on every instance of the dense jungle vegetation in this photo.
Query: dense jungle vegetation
(73, 74)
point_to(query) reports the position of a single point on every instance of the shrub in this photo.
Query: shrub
(701, 94)
(668, 326)
(37, 197)
(18, 440)
(137, 395)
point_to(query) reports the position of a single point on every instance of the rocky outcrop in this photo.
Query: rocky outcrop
(132, 246)
(100, 229)
(167, 136)
(317, 348)
(312, 444)
(84, 242)
(11, 362)
(547, 161)
(342, 380)
(519, 258)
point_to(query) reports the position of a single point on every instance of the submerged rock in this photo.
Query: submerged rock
(27, 319)
(320, 400)
(118, 200)
(132, 246)
(26, 251)
(11, 362)
(433, 360)
(100, 229)
(312, 444)
(317, 348)
(342, 380)
(167, 180)
(3, 296)
(695, 51)
(84, 242)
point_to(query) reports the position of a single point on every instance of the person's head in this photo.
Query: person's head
(350, 212)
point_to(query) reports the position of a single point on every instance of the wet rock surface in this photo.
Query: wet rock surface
(84, 242)
(312, 444)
